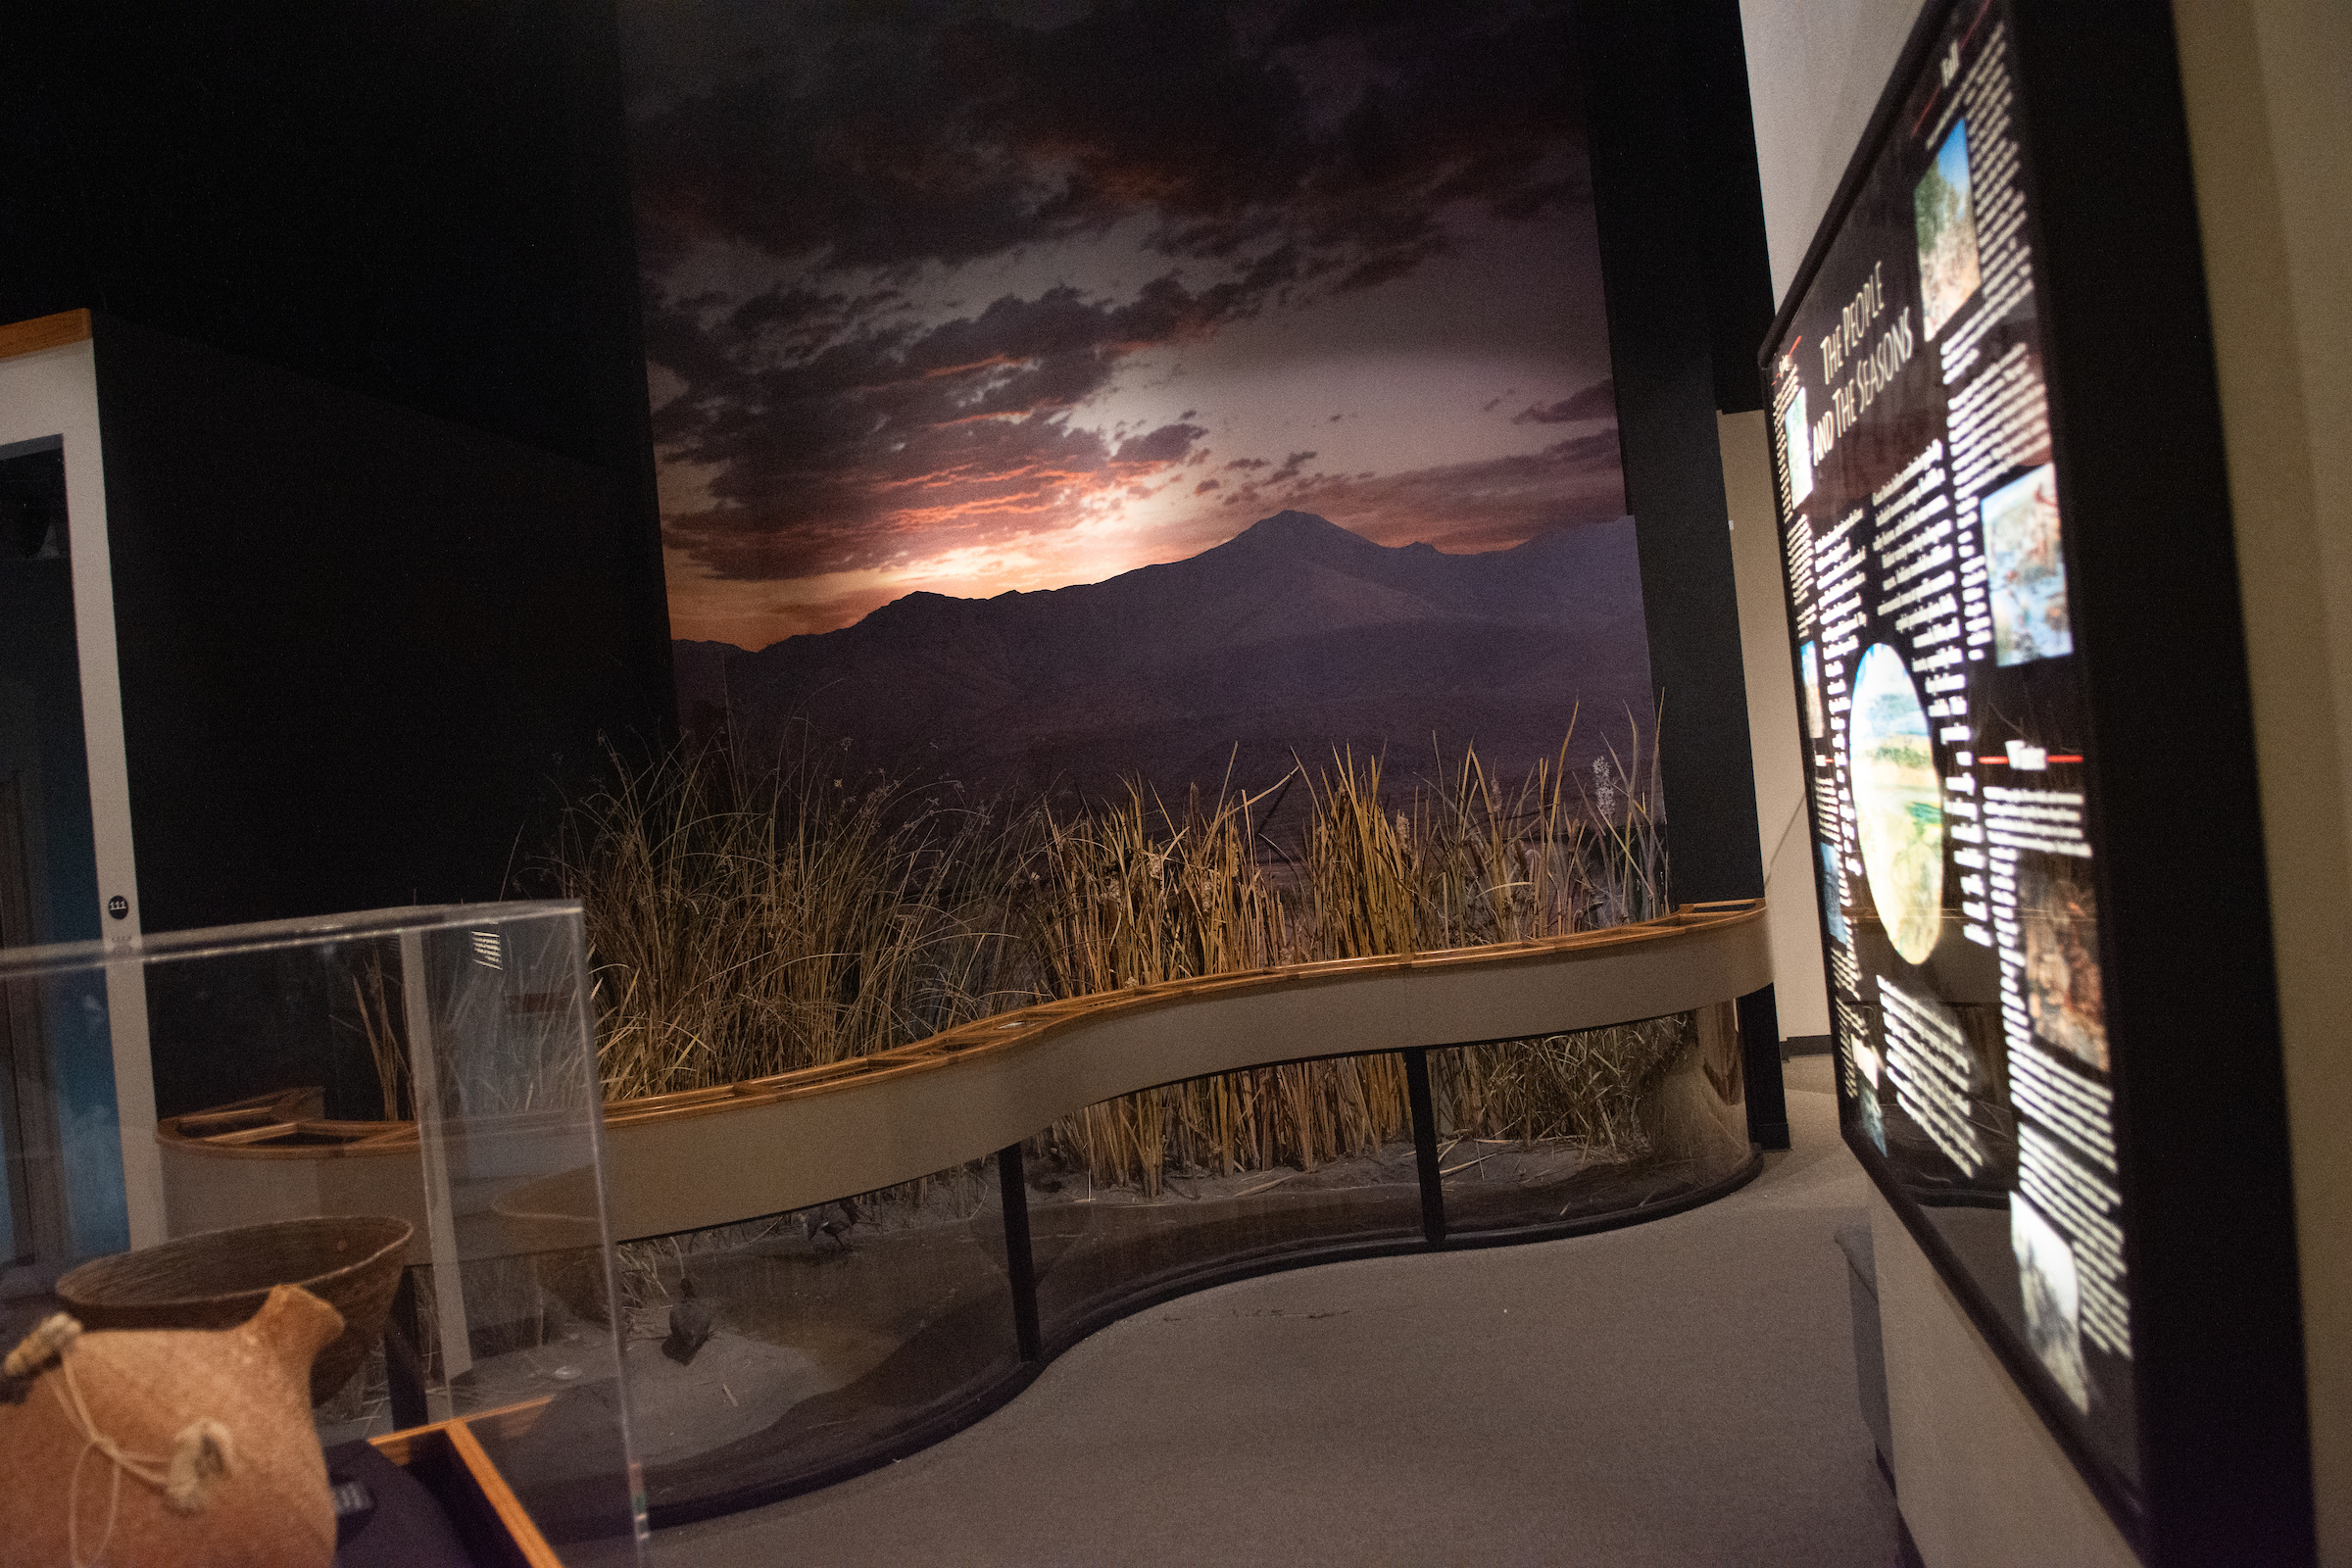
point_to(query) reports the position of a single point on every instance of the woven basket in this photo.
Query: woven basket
(219, 1279)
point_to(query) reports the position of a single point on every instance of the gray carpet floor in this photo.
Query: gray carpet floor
(1678, 1394)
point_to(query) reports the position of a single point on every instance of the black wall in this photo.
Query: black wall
(363, 649)
(366, 695)
(1680, 220)
(1689, 298)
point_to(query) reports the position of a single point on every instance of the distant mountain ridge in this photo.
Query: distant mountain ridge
(1292, 638)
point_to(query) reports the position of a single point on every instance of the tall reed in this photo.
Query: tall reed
(388, 1042)
(740, 925)
(744, 924)
(1131, 894)
(1466, 862)
(1364, 875)
(1626, 862)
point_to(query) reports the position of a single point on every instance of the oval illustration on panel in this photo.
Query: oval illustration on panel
(1899, 803)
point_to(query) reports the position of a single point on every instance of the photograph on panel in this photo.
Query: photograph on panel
(1898, 801)
(2054, 1294)
(2025, 570)
(2058, 906)
(1948, 273)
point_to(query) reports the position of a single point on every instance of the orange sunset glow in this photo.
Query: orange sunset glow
(971, 307)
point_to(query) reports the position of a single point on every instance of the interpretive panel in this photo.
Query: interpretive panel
(1956, 831)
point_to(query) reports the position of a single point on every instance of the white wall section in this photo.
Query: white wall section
(1792, 900)
(1814, 71)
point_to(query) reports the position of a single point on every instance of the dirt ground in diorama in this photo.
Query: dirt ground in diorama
(1094, 1243)
(1500, 1184)
(834, 1328)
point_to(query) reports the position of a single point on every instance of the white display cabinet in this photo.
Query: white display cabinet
(76, 1102)
(268, 649)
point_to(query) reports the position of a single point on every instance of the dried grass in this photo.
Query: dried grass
(1586, 1085)
(1131, 894)
(387, 1044)
(742, 924)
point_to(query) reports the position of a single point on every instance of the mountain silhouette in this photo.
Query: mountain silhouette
(1292, 638)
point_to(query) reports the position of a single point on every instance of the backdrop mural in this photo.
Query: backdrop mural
(1052, 393)
(1077, 422)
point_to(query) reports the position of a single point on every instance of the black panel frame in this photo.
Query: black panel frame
(2201, 1125)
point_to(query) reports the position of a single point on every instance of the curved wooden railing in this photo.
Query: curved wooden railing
(710, 1157)
(684, 1162)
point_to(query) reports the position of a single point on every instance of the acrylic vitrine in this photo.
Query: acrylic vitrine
(434, 1066)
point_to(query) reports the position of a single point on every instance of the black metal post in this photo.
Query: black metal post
(1666, 160)
(1760, 1065)
(1425, 1144)
(404, 1357)
(1020, 1266)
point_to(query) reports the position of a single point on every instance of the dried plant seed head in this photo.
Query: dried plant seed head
(47, 1342)
(202, 1457)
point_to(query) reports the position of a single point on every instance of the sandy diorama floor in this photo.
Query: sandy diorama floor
(839, 1326)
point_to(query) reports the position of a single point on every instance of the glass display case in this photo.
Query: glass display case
(678, 1306)
(425, 1075)
(848, 1332)
(858, 1329)
(1637, 1118)
(1138, 1197)
(883, 1249)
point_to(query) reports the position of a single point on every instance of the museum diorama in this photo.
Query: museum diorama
(1291, 881)
(1207, 737)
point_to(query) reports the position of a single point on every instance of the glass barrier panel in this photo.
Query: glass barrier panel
(1589, 1125)
(767, 1355)
(61, 1144)
(398, 1110)
(1140, 1193)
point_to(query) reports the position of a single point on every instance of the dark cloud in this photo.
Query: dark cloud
(800, 171)
(852, 131)
(1169, 444)
(1596, 401)
(1207, 485)
(831, 462)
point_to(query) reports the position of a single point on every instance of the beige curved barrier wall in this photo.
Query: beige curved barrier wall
(710, 1156)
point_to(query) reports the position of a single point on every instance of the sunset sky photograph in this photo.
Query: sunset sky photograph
(970, 297)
